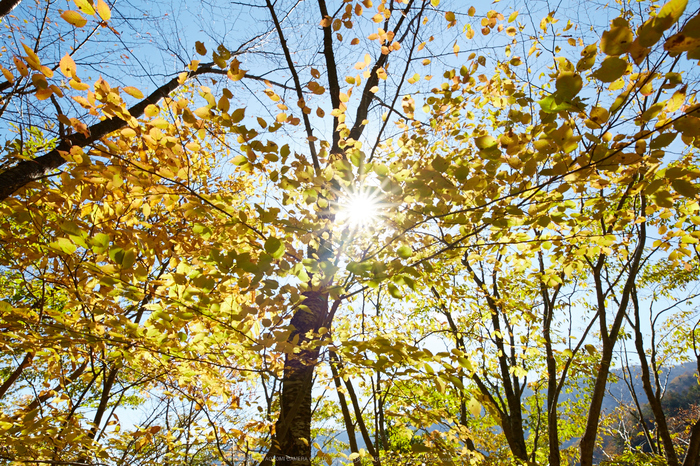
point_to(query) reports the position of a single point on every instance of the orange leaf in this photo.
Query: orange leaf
(21, 66)
(67, 66)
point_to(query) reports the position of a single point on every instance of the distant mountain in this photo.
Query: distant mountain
(676, 378)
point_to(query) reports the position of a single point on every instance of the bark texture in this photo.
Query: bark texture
(292, 440)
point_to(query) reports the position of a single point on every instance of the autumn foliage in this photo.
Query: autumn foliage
(180, 282)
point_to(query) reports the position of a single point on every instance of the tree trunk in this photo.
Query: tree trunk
(6, 6)
(292, 439)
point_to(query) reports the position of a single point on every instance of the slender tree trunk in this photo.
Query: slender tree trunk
(653, 398)
(358, 416)
(692, 456)
(609, 335)
(292, 439)
(349, 427)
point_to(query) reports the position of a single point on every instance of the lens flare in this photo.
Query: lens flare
(359, 210)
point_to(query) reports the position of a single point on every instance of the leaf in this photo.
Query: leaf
(663, 140)
(74, 18)
(133, 92)
(588, 55)
(474, 407)
(67, 66)
(653, 111)
(684, 187)
(64, 245)
(203, 112)
(394, 291)
(85, 7)
(200, 48)
(669, 15)
(485, 142)
(103, 10)
(611, 69)
(274, 247)
(568, 85)
(616, 41)
(238, 115)
(679, 43)
(404, 252)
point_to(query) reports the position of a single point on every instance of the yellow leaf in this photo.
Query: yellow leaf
(44, 94)
(203, 112)
(7, 74)
(616, 41)
(74, 18)
(675, 102)
(103, 10)
(238, 115)
(133, 92)
(472, 11)
(32, 58)
(474, 408)
(78, 86)
(281, 118)
(85, 7)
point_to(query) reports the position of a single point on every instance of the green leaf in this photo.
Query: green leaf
(550, 105)
(65, 245)
(125, 258)
(71, 228)
(274, 247)
(684, 187)
(404, 252)
(485, 142)
(380, 169)
(394, 291)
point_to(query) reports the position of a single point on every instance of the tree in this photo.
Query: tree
(171, 268)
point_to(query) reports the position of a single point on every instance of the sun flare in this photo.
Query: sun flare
(359, 210)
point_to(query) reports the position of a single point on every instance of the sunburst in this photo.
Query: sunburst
(359, 209)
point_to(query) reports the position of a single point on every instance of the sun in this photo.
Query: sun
(360, 209)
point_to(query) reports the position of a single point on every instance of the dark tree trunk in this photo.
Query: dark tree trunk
(6, 6)
(292, 439)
